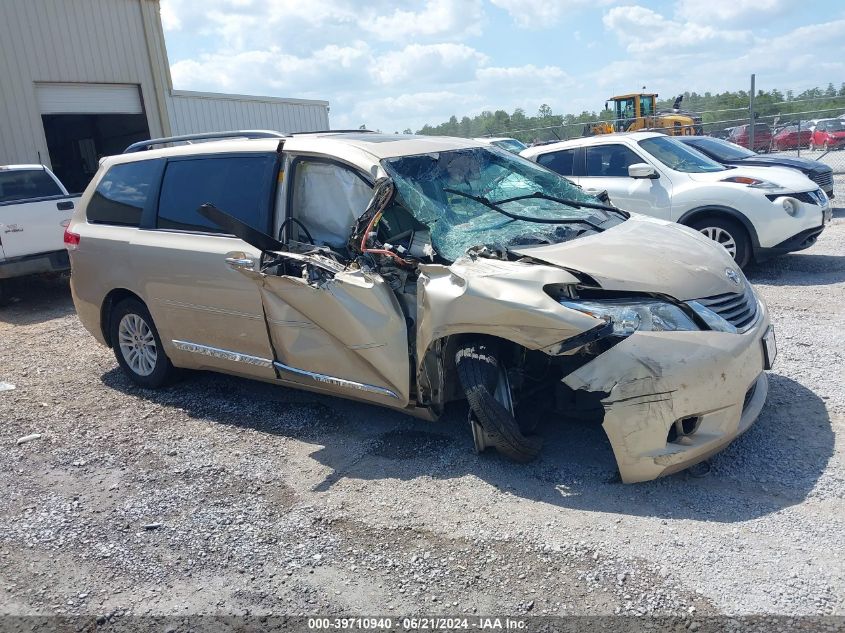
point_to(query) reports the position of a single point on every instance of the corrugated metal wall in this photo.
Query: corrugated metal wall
(97, 41)
(201, 112)
(117, 42)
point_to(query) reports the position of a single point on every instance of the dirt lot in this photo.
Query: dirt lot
(257, 499)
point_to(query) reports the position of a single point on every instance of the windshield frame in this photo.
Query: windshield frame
(673, 145)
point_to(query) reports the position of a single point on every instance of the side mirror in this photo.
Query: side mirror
(642, 170)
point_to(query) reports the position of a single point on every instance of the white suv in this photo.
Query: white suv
(754, 212)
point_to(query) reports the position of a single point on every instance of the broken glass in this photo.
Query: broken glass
(458, 222)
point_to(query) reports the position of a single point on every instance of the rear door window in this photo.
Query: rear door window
(561, 161)
(610, 160)
(240, 185)
(122, 194)
(21, 184)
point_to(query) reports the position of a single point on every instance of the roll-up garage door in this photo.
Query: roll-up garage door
(67, 98)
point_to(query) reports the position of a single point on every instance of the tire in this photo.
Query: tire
(729, 233)
(148, 366)
(480, 372)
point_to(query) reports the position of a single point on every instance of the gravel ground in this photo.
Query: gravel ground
(225, 496)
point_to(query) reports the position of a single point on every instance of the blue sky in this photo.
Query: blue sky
(396, 64)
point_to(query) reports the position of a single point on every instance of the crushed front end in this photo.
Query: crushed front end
(670, 399)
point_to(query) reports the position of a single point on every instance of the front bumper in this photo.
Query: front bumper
(779, 232)
(803, 240)
(653, 379)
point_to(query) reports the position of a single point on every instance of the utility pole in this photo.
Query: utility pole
(751, 116)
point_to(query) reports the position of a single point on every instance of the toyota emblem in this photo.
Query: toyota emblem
(731, 274)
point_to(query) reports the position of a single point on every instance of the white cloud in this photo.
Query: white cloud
(170, 16)
(395, 64)
(645, 31)
(439, 63)
(539, 14)
(263, 71)
(731, 11)
(448, 19)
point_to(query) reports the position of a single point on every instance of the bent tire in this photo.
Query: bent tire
(730, 234)
(479, 372)
(137, 346)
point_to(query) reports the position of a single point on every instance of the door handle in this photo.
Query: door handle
(240, 262)
(64, 205)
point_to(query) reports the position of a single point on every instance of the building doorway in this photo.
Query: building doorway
(76, 142)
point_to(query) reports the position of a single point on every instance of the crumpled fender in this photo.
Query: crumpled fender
(498, 298)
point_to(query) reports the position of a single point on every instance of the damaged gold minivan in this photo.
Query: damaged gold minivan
(412, 271)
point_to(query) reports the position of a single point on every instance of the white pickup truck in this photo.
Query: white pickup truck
(34, 210)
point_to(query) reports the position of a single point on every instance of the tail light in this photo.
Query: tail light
(71, 240)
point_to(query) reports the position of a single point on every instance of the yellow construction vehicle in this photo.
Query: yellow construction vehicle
(635, 112)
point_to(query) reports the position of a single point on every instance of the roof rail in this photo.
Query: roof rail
(359, 131)
(141, 146)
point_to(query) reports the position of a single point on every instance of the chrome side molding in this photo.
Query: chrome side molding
(225, 354)
(337, 382)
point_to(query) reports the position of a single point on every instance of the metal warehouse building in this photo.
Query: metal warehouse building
(81, 79)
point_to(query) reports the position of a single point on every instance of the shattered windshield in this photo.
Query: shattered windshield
(675, 155)
(466, 198)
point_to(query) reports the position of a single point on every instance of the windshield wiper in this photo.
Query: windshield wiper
(571, 203)
(516, 216)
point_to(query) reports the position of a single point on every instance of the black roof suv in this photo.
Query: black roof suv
(729, 153)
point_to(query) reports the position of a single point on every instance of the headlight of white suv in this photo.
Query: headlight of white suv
(756, 183)
(627, 316)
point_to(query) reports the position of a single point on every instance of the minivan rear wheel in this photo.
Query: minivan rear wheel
(485, 383)
(137, 346)
(730, 234)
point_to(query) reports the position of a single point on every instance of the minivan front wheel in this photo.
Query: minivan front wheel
(729, 234)
(488, 393)
(137, 346)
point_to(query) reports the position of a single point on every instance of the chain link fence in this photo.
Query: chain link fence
(796, 127)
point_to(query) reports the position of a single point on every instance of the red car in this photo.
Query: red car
(829, 134)
(762, 137)
(790, 138)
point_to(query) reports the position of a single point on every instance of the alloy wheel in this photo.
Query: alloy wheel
(503, 390)
(137, 344)
(721, 236)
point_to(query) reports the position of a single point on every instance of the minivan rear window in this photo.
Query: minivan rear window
(239, 185)
(121, 195)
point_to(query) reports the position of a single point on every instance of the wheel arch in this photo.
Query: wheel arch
(113, 298)
(440, 354)
(715, 210)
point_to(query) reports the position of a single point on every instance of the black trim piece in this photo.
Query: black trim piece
(803, 196)
(603, 330)
(150, 211)
(715, 209)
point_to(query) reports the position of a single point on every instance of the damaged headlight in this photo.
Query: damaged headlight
(627, 316)
(715, 321)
